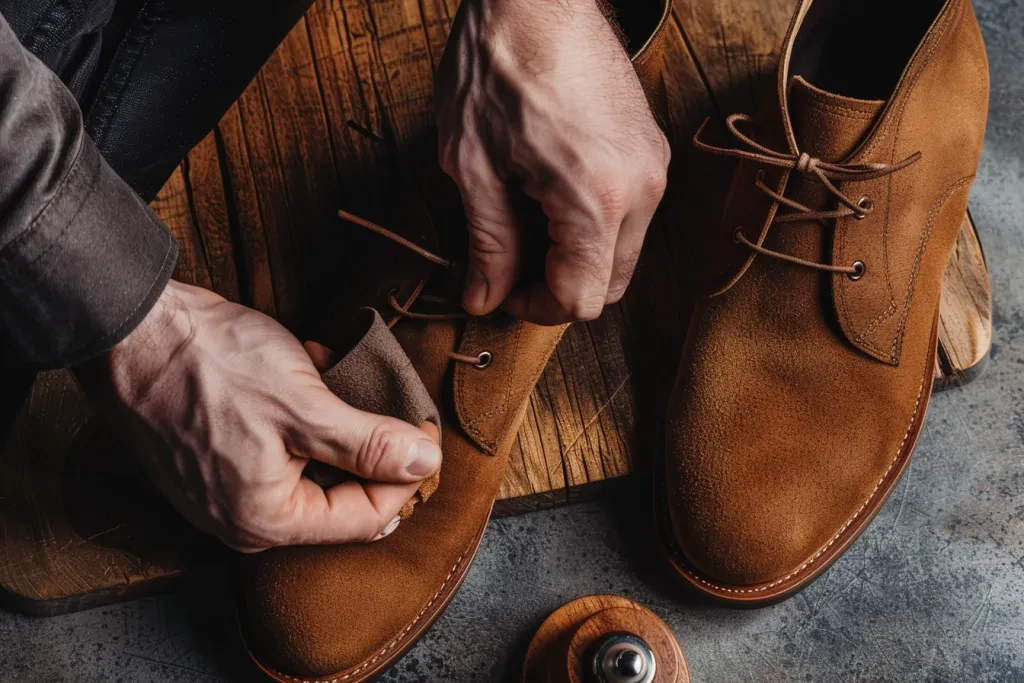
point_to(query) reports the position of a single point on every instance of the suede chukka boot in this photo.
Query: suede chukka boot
(346, 613)
(805, 378)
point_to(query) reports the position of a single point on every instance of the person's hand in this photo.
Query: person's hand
(539, 98)
(225, 408)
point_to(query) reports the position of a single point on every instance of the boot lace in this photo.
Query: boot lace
(828, 174)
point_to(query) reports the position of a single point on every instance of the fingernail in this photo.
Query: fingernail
(389, 529)
(424, 458)
(475, 297)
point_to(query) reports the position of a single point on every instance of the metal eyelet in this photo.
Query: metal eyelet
(866, 206)
(484, 359)
(859, 270)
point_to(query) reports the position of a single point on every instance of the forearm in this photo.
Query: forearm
(82, 258)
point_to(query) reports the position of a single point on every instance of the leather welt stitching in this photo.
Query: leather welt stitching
(897, 341)
(799, 570)
(862, 337)
(393, 643)
(489, 443)
(471, 424)
(846, 112)
(953, 19)
(884, 133)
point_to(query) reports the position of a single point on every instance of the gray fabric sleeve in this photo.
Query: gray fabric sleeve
(82, 258)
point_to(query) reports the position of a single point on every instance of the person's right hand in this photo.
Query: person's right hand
(538, 99)
(225, 408)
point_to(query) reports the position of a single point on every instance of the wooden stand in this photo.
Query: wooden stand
(576, 636)
(253, 209)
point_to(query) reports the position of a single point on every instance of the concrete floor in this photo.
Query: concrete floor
(933, 591)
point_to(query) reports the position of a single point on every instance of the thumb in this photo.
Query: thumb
(494, 243)
(374, 447)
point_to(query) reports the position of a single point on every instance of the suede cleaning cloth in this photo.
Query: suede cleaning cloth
(376, 376)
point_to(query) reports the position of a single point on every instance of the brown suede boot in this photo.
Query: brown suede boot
(805, 378)
(346, 613)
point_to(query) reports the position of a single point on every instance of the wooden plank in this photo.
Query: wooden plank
(79, 520)
(735, 44)
(244, 215)
(252, 208)
(208, 204)
(965, 318)
(173, 208)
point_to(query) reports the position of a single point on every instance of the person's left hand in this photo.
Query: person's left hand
(539, 98)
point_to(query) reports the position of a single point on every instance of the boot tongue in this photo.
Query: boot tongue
(828, 126)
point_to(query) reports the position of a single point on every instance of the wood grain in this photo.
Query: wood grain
(252, 208)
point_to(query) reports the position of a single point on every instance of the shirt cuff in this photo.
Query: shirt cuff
(85, 273)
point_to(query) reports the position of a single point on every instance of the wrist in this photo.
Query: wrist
(138, 359)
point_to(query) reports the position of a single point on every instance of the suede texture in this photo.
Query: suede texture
(343, 613)
(800, 392)
(375, 375)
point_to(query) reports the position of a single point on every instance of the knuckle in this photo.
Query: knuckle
(611, 196)
(584, 308)
(654, 183)
(666, 150)
(486, 239)
(624, 270)
(615, 293)
(382, 441)
(590, 257)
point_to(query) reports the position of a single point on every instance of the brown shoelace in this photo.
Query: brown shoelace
(403, 309)
(825, 173)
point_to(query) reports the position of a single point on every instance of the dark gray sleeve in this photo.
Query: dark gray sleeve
(82, 258)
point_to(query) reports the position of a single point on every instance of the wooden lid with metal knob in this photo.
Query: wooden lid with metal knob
(604, 639)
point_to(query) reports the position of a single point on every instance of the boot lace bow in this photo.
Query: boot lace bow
(826, 173)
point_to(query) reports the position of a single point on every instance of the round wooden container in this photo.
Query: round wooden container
(604, 639)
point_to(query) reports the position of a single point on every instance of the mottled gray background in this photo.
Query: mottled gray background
(933, 591)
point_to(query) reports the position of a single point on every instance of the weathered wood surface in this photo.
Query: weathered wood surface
(253, 210)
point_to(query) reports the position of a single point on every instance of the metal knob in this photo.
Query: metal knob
(623, 658)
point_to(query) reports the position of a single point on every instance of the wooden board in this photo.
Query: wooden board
(253, 210)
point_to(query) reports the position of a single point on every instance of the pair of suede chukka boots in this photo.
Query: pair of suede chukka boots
(804, 378)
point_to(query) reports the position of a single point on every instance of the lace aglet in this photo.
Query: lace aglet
(398, 239)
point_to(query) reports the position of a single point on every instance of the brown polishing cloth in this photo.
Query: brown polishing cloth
(377, 377)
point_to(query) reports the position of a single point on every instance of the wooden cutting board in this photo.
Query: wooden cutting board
(253, 208)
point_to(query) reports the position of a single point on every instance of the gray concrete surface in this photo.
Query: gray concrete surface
(933, 591)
